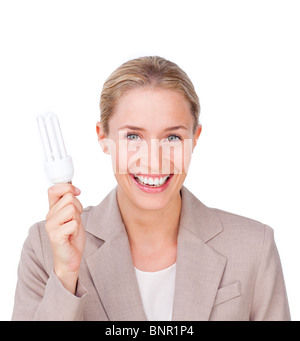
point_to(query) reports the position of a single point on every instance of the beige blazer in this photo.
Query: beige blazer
(228, 268)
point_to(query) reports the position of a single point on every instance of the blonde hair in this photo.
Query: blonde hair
(151, 71)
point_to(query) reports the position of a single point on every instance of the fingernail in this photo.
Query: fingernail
(77, 190)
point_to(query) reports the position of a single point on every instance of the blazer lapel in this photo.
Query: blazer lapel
(199, 267)
(111, 266)
(198, 272)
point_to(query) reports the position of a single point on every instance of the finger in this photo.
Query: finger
(67, 199)
(76, 232)
(59, 190)
(63, 216)
(65, 233)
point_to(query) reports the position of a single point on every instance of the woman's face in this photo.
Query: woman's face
(151, 142)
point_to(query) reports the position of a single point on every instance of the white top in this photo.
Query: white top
(157, 291)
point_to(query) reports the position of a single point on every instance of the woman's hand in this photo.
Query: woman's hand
(66, 233)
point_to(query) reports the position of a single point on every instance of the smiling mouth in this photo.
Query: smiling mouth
(150, 181)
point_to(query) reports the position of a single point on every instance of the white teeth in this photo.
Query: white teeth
(157, 182)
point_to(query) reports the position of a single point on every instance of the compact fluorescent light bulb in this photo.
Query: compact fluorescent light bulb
(58, 164)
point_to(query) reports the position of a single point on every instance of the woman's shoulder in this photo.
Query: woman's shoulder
(234, 220)
(243, 233)
(228, 223)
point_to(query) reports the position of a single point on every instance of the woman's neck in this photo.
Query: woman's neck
(152, 234)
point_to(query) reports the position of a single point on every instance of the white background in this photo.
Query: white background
(243, 58)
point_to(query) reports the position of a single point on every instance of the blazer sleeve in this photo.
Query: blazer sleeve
(270, 302)
(40, 295)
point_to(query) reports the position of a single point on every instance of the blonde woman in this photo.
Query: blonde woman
(150, 250)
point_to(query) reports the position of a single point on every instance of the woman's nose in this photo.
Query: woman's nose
(154, 156)
(160, 157)
(148, 157)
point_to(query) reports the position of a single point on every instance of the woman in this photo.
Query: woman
(151, 250)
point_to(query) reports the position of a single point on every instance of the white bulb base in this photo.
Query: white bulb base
(60, 171)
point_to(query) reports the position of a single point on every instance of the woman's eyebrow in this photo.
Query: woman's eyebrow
(142, 129)
(176, 127)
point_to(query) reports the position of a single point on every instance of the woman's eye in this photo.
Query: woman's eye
(136, 137)
(132, 137)
(172, 138)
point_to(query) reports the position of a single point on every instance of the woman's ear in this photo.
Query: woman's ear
(196, 135)
(102, 138)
